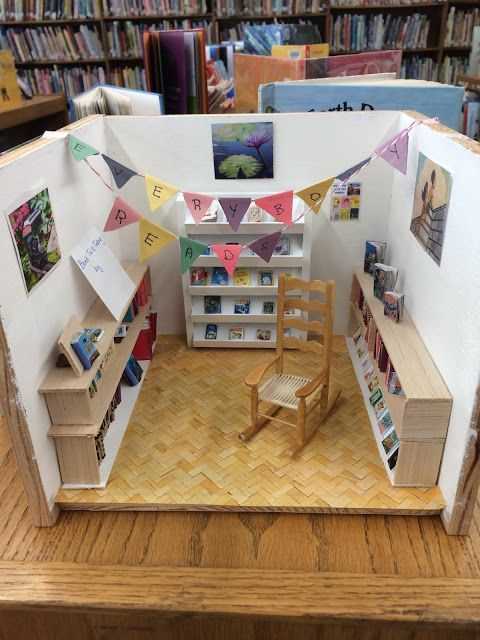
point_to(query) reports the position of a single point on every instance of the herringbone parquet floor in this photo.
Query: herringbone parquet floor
(181, 449)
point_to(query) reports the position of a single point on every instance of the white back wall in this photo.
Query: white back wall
(307, 149)
(444, 300)
(33, 324)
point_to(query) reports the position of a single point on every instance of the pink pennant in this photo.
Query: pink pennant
(198, 204)
(279, 205)
(396, 153)
(121, 215)
(228, 254)
(265, 246)
(234, 210)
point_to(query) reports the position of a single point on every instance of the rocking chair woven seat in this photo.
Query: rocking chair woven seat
(294, 392)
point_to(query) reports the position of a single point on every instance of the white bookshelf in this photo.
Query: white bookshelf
(297, 264)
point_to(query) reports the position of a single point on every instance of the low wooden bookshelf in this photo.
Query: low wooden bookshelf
(422, 415)
(77, 415)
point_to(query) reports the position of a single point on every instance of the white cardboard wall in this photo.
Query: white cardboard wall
(444, 300)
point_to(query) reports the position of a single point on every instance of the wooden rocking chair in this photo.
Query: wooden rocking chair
(294, 392)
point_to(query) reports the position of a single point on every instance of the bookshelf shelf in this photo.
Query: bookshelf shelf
(235, 344)
(271, 16)
(158, 17)
(386, 7)
(420, 50)
(83, 61)
(41, 23)
(421, 416)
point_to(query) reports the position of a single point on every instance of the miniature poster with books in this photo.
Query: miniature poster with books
(345, 203)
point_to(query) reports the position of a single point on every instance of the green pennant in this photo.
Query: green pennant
(80, 150)
(189, 251)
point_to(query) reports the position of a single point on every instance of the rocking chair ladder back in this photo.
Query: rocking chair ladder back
(296, 393)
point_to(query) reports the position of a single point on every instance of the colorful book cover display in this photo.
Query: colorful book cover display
(346, 201)
(242, 151)
(430, 206)
(34, 234)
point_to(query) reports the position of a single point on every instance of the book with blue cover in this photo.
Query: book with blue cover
(432, 99)
(85, 349)
(258, 39)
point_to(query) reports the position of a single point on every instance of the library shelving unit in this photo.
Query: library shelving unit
(77, 413)
(297, 264)
(422, 414)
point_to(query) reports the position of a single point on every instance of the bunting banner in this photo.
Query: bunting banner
(234, 210)
(152, 238)
(348, 173)
(158, 192)
(279, 206)
(395, 151)
(228, 255)
(198, 204)
(190, 250)
(80, 150)
(120, 173)
(121, 215)
(314, 195)
(265, 246)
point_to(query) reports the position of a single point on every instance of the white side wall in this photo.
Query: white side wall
(33, 324)
(444, 301)
(307, 148)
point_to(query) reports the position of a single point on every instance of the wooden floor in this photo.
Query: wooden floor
(181, 449)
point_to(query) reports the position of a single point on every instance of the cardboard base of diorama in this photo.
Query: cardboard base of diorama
(181, 450)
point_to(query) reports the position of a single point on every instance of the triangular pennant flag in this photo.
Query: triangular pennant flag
(315, 194)
(345, 175)
(265, 246)
(189, 251)
(234, 210)
(121, 215)
(278, 205)
(396, 153)
(198, 204)
(152, 238)
(80, 150)
(121, 174)
(228, 254)
(158, 192)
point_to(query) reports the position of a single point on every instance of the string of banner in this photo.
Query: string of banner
(153, 238)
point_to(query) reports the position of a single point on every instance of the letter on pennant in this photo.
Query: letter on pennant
(198, 204)
(395, 151)
(121, 174)
(228, 254)
(278, 205)
(314, 195)
(152, 238)
(80, 150)
(158, 192)
(265, 246)
(189, 252)
(234, 210)
(121, 215)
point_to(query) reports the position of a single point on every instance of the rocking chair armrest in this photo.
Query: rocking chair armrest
(254, 377)
(311, 386)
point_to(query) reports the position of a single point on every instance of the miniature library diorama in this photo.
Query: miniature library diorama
(253, 312)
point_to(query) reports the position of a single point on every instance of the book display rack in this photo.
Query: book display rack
(70, 49)
(416, 459)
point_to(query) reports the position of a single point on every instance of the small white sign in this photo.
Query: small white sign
(102, 269)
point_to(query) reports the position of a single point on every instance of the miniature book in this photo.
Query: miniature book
(242, 277)
(384, 278)
(198, 277)
(219, 277)
(95, 334)
(394, 385)
(283, 247)
(268, 306)
(385, 422)
(212, 304)
(393, 304)
(235, 333)
(392, 460)
(255, 214)
(211, 332)
(264, 334)
(265, 278)
(241, 305)
(374, 252)
(390, 441)
(85, 349)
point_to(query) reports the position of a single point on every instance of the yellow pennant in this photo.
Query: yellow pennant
(158, 192)
(315, 194)
(152, 238)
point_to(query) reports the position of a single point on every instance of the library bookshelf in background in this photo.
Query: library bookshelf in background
(73, 45)
(258, 325)
(421, 415)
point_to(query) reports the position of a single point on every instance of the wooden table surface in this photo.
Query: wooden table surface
(38, 107)
(226, 575)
